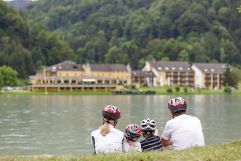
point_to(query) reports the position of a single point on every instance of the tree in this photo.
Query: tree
(232, 77)
(8, 76)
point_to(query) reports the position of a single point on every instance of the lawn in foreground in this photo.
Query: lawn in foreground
(218, 152)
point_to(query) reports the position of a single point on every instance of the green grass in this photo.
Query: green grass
(218, 152)
(163, 91)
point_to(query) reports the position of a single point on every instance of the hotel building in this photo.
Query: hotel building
(171, 73)
(209, 75)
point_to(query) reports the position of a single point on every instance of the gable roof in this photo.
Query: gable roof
(108, 67)
(172, 66)
(65, 66)
(211, 67)
(140, 73)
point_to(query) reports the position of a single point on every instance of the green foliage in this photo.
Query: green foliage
(169, 90)
(232, 77)
(8, 76)
(177, 89)
(185, 89)
(131, 86)
(227, 90)
(25, 48)
(120, 31)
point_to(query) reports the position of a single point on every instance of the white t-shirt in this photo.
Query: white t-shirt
(112, 142)
(127, 147)
(185, 131)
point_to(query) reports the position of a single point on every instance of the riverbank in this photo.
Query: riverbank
(133, 91)
(216, 152)
(204, 92)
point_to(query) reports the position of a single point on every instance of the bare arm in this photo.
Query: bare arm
(166, 142)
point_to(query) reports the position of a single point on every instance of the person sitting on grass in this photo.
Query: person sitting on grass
(151, 141)
(107, 138)
(132, 134)
(183, 130)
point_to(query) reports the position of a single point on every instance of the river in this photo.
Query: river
(61, 125)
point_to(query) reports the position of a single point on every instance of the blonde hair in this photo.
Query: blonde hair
(105, 129)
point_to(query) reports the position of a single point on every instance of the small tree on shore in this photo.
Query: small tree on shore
(232, 77)
(8, 76)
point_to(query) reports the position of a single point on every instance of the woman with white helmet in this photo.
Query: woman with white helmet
(151, 141)
(107, 138)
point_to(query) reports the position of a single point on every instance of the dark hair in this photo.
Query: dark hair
(179, 112)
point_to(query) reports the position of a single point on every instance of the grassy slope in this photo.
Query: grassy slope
(218, 152)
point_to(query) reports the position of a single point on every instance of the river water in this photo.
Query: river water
(61, 125)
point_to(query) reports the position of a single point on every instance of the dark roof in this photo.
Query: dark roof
(211, 67)
(108, 67)
(176, 66)
(140, 73)
(65, 66)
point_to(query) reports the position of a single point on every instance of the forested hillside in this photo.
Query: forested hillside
(132, 31)
(26, 48)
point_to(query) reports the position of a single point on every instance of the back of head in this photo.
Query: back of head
(177, 105)
(132, 132)
(111, 112)
(148, 126)
(110, 115)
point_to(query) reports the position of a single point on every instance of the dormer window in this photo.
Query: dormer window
(205, 70)
(166, 68)
(173, 68)
(212, 70)
(181, 68)
(159, 68)
(53, 69)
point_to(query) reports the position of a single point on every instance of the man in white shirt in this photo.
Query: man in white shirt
(183, 131)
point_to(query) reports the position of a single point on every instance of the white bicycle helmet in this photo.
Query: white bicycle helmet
(148, 125)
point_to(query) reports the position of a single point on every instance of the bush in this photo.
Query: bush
(169, 90)
(227, 90)
(185, 90)
(177, 88)
(131, 86)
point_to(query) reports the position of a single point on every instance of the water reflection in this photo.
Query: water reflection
(62, 124)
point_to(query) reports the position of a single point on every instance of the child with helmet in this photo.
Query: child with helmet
(107, 138)
(183, 130)
(132, 133)
(151, 141)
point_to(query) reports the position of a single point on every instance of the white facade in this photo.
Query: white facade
(197, 77)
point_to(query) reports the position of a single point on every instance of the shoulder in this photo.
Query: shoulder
(152, 138)
(170, 122)
(117, 131)
(95, 132)
(157, 137)
(194, 118)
